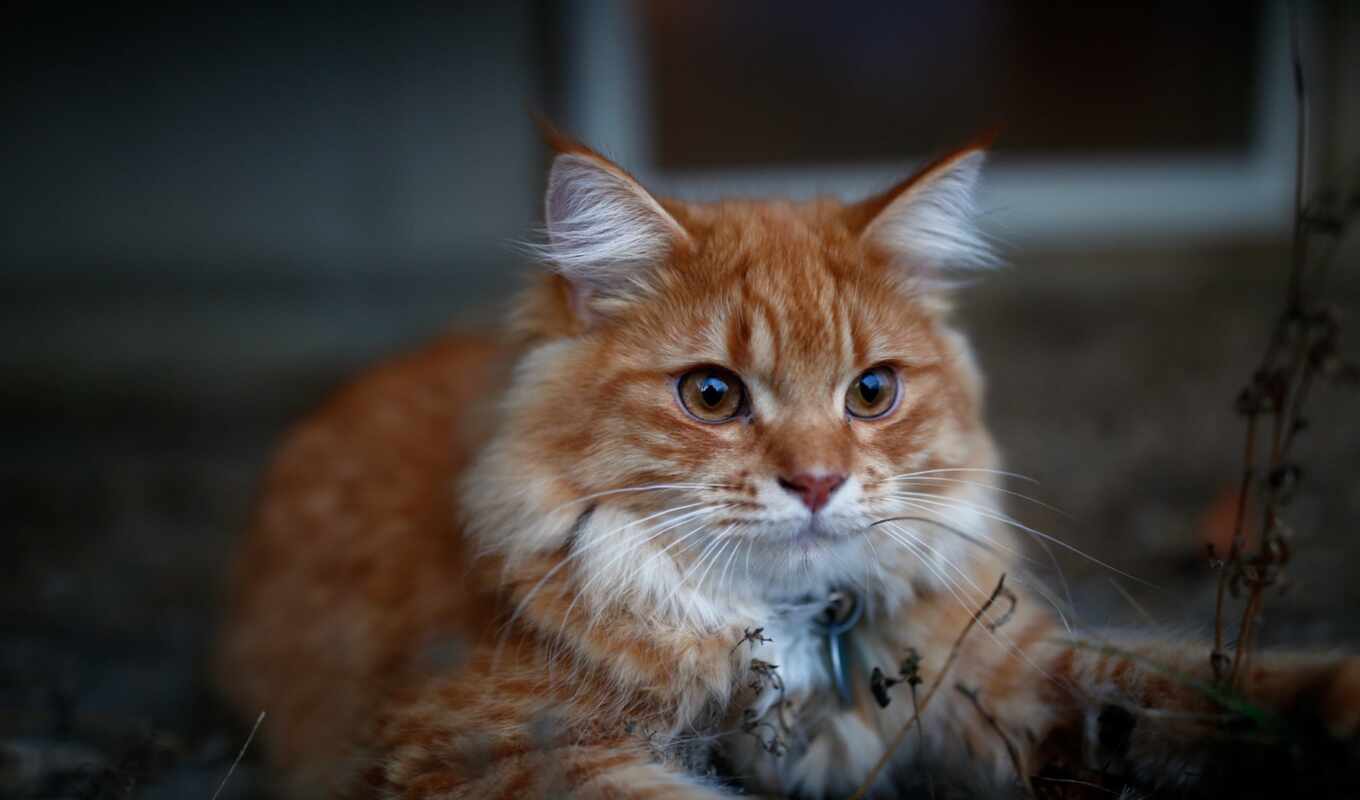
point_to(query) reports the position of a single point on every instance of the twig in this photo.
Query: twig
(954, 651)
(1075, 782)
(921, 732)
(239, 756)
(767, 674)
(1300, 159)
(1016, 761)
(1305, 343)
(1218, 660)
(755, 636)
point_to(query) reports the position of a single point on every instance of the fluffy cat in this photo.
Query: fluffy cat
(600, 559)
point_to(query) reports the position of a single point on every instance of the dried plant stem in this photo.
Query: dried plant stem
(253, 730)
(920, 708)
(1300, 159)
(1304, 344)
(921, 733)
(1012, 751)
(1218, 659)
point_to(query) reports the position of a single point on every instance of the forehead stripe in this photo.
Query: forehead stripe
(739, 339)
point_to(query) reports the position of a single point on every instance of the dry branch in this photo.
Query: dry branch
(1304, 345)
(920, 708)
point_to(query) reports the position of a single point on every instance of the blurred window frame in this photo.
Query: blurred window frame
(1056, 203)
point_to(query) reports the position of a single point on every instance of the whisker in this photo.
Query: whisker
(896, 534)
(653, 487)
(1131, 601)
(750, 545)
(713, 562)
(1004, 518)
(722, 580)
(703, 556)
(668, 525)
(988, 545)
(922, 543)
(984, 470)
(1052, 559)
(578, 552)
(575, 554)
(878, 559)
(628, 580)
(1036, 501)
(627, 583)
(976, 539)
(603, 572)
(1038, 588)
(667, 548)
(1004, 642)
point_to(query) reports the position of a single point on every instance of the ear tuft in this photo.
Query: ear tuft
(928, 222)
(604, 229)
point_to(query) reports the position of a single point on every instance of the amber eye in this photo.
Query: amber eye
(872, 394)
(712, 394)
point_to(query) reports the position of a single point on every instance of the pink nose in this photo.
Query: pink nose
(815, 490)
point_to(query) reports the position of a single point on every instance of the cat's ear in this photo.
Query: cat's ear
(606, 233)
(927, 224)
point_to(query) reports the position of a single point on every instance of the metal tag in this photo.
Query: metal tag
(842, 613)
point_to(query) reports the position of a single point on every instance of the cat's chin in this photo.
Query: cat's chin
(821, 530)
(818, 532)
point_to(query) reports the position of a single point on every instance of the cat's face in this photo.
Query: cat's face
(742, 386)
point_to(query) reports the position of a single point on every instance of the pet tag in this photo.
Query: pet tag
(841, 614)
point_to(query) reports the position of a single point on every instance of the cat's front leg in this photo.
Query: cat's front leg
(1153, 711)
(605, 771)
(510, 735)
(1016, 697)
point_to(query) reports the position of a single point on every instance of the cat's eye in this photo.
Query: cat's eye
(711, 394)
(872, 394)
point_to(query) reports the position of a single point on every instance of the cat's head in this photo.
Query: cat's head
(725, 397)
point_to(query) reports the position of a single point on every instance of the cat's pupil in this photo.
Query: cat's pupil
(869, 387)
(712, 390)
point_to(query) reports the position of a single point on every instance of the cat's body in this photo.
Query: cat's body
(594, 562)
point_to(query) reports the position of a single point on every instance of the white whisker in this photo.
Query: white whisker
(712, 562)
(1038, 588)
(987, 543)
(603, 572)
(953, 526)
(653, 487)
(985, 470)
(921, 542)
(1003, 641)
(578, 552)
(1004, 518)
(1036, 501)
(750, 545)
(722, 579)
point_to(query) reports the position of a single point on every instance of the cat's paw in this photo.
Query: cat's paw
(1340, 710)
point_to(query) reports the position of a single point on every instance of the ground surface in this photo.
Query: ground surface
(136, 417)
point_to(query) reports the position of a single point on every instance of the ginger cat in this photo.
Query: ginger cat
(680, 534)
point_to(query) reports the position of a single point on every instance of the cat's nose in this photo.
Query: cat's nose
(814, 490)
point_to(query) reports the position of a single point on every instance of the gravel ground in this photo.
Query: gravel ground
(137, 417)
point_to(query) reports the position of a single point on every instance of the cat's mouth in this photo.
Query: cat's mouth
(818, 529)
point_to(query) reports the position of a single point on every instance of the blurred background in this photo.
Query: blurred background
(210, 219)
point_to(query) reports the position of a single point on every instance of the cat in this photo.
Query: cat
(716, 515)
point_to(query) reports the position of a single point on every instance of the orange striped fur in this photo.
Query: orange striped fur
(521, 568)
